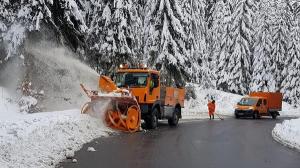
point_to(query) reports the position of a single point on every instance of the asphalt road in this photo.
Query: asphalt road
(243, 143)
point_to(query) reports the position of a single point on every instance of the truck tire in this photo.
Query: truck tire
(175, 118)
(237, 116)
(152, 120)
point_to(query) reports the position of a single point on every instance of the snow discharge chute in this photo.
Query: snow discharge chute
(118, 107)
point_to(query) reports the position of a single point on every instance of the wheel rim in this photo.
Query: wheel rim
(154, 121)
(176, 118)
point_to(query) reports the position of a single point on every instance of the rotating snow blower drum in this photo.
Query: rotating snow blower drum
(121, 113)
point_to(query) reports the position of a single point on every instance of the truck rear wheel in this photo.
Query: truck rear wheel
(152, 120)
(175, 118)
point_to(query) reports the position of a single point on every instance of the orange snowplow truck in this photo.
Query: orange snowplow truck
(154, 100)
(258, 104)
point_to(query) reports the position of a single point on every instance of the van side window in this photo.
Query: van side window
(265, 102)
(259, 102)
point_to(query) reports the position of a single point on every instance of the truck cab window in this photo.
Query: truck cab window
(155, 80)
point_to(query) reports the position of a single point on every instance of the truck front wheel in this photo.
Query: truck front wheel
(152, 120)
(173, 121)
(256, 115)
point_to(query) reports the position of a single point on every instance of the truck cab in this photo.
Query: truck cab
(258, 104)
(155, 101)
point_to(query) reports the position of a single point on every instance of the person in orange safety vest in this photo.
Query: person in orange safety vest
(211, 109)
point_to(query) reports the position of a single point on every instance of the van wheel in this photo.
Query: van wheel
(152, 120)
(274, 115)
(237, 116)
(175, 118)
(255, 115)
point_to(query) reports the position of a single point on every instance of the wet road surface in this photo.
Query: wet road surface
(243, 143)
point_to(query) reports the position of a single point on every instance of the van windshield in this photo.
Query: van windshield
(247, 101)
(131, 79)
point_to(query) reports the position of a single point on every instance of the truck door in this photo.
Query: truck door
(154, 88)
(264, 107)
(259, 106)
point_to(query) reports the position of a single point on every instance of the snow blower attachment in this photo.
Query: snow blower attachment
(122, 111)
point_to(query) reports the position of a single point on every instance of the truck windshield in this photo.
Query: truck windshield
(131, 79)
(247, 102)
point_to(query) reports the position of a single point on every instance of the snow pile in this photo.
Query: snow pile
(26, 103)
(289, 110)
(44, 139)
(197, 108)
(7, 105)
(288, 133)
(225, 104)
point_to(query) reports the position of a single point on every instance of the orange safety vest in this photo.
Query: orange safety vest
(211, 108)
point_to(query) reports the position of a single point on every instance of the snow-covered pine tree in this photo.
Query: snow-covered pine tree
(166, 41)
(22, 17)
(111, 37)
(137, 30)
(291, 83)
(262, 77)
(240, 59)
(279, 41)
(221, 42)
(210, 6)
(201, 46)
(195, 28)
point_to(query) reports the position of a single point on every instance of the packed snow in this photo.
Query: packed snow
(43, 139)
(288, 133)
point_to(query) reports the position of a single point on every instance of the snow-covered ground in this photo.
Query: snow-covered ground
(197, 108)
(42, 139)
(225, 104)
(288, 133)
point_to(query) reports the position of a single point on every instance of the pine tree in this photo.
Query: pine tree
(240, 60)
(202, 54)
(222, 41)
(166, 43)
(196, 29)
(111, 35)
(262, 77)
(279, 41)
(291, 83)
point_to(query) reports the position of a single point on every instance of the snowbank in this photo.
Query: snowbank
(288, 133)
(7, 105)
(44, 139)
(225, 104)
(197, 108)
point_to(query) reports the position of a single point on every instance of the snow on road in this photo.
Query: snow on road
(288, 133)
(43, 139)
